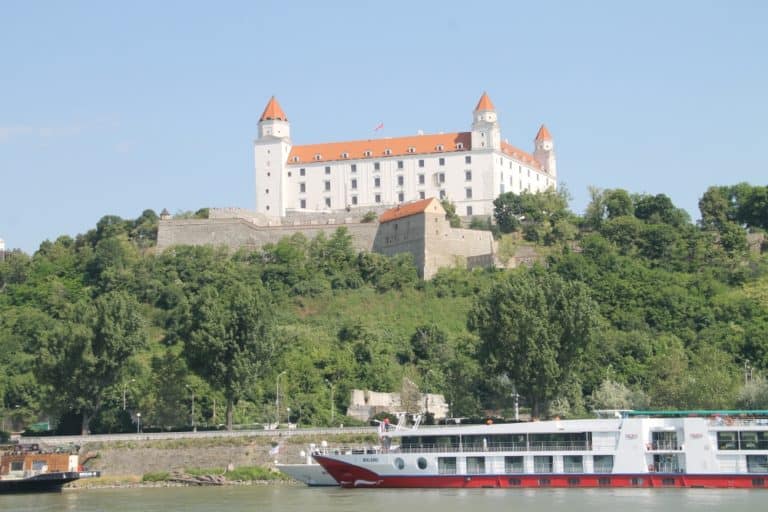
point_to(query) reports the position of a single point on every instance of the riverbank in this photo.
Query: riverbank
(247, 459)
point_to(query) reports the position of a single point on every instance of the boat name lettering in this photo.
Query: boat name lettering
(370, 459)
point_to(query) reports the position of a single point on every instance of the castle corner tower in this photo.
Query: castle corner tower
(271, 152)
(545, 151)
(486, 133)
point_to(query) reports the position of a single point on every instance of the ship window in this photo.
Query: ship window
(515, 482)
(603, 463)
(757, 463)
(513, 465)
(573, 464)
(399, 463)
(475, 465)
(753, 440)
(544, 482)
(604, 481)
(636, 482)
(446, 465)
(727, 441)
(574, 482)
(422, 463)
(668, 481)
(758, 482)
(17, 465)
(542, 464)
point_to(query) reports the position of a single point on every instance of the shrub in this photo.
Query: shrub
(247, 473)
(155, 476)
(369, 217)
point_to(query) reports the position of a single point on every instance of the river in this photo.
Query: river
(294, 498)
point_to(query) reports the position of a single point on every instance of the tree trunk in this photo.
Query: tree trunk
(85, 425)
(230, 413)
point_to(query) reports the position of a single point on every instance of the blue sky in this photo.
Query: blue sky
(115, 107)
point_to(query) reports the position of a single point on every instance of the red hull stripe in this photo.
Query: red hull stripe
(349, 475)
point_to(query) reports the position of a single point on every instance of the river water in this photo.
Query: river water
(295, 498)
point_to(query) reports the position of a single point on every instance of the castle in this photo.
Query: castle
(317, 188)
(468, 168)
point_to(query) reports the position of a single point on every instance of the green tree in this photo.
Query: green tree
(229, 340)
(450, 213)
(82, 358)
(534, 328)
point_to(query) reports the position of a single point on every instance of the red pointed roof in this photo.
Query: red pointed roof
(484, 103)
(273, 111)
(407, 209)
(543, 134)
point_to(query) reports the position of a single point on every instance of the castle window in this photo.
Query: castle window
(354, 200)
(468, 175)
(468, 193)
(421, 179)
(468, 159)
(266, 191)
(267, 207)
(442, 194)
(400, 181)
(318, 156)
(400, 197)
(345, 155)
(441, 161)
(459, 145)
(422, 195)
(354, 167)
(377, 198)
(440, 147)
(302, 187)
(367, 153)
(328, 202)
(289, 174)
(295, 158)
(327, 186)
(303, 204)
(354, 184)
(441, 177)
(377, 182)
(411, 149)
(469, 211)
(387, 151)
(421, 163)
(327, 169)
(400, 164)
(302, 172)
(376, 166)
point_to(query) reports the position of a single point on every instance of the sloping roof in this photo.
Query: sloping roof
(543, 134)
(273, 111)
(407, 209)
(397, 146)
(484, 103)
(520, 155)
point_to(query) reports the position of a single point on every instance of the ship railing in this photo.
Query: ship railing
(663, 467)
(665, 446)
(728, 421)
(573, 468)
(500, 447)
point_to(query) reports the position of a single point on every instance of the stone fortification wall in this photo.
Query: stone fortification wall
(364, 404)
(235, 233)
(446, 246)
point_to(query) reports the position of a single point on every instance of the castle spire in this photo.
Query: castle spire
(543, 134)
(484, 103)
(273, 111)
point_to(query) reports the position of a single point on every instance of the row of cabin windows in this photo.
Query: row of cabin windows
(499, 442)
(742, 440)
(476, 465)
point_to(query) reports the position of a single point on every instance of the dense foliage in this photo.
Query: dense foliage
(630, 305)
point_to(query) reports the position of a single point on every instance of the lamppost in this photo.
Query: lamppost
(138, 422)
(277, 398)
(192, 411)
(125, 388)
(333, 404)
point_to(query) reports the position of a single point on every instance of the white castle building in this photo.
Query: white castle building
(469, 168)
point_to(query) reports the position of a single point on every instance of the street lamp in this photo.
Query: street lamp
(333, 404)
(125, 388)
(277, 398)
(138, 422)
(192, 412)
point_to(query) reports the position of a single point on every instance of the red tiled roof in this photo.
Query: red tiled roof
(273, 111)
(484, 103)
(543, 134)
(377, 148)
(519, 154)
(406, 210)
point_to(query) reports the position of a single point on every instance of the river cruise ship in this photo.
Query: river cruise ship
(27, 468)
(658, 449)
